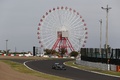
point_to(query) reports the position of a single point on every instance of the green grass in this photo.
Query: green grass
(21, 68)
(70, 63)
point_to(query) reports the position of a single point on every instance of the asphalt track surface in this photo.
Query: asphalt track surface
(45, 66)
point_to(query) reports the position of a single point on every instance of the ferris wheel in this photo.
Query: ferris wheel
(62, 27)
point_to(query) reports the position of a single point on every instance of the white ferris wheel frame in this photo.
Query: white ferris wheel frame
(62, 18)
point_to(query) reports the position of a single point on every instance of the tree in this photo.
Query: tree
(63, 51)
(0, 51)
(50, 52)
(6, 52)
(74, 53)
(53, 52)
(47, 51)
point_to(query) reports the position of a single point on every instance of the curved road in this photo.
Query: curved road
(72, 73)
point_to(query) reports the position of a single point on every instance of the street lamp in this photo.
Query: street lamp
(100, 35)
(80, 49)
(107, 10)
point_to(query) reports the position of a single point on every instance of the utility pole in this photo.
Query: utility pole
(100, 35)
(107, 10)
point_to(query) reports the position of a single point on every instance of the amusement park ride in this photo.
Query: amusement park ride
(62, 27)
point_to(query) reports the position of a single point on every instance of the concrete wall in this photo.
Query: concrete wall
(97, 65)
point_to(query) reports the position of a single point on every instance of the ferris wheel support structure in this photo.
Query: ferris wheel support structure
(62, 42)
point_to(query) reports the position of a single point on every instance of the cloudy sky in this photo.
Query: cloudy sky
(19, 21)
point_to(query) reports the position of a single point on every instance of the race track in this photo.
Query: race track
(72, 73)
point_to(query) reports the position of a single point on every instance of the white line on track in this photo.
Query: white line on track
(93, 71)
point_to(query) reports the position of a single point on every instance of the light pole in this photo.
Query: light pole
(80, 49)
(6, 46)
(107, 10)
(100, 35)
(15, 49)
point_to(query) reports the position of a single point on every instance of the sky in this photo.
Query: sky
(19, 21)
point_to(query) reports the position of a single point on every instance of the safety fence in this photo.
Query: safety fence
(94, 55)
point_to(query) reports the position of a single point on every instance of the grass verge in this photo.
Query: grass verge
(71, 63)
(21, 68)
